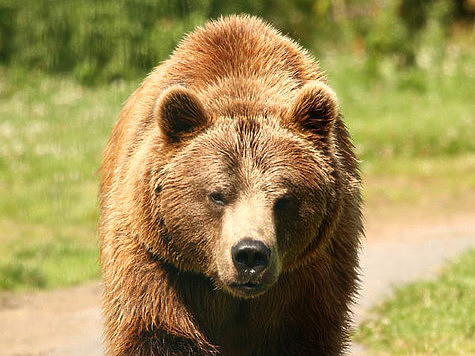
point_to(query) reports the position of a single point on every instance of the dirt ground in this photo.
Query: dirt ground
(396, 250)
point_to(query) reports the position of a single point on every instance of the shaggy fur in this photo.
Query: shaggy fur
(236, 135)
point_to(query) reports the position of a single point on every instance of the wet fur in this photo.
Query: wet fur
(161, 293)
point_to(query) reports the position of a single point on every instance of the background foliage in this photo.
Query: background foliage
(103, 40)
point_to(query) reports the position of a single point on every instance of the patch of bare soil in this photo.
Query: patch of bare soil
(60, 322)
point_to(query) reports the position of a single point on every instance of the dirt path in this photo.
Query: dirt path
(68, 321)
(389, 262)
(63, 322)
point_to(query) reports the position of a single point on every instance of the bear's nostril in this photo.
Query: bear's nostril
(260, 259)
(242, 257)
(250, 254)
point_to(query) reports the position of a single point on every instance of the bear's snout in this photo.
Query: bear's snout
(248, 261)
(250, 257)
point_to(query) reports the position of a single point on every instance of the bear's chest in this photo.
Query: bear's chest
(243, 331)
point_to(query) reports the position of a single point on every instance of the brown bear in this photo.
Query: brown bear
(230, 203)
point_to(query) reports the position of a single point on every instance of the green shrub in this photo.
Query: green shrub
(94, 40)
(409, 33)
(102, 40)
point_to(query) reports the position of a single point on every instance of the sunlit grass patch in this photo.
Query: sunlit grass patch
(427, 318)
(52, 132)
(419, 180)
(390, 118)
(58, 262)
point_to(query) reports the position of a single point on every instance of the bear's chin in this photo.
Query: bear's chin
(247, 290)
(249, 287)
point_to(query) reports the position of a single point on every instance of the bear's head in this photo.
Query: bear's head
(241, 199)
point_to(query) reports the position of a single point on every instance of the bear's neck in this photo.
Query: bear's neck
(230, 320)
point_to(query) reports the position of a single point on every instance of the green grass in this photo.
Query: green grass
(427, 183)
(407, 113)
(427, 318)
(415, 132)
(52, 132)
(48, 263)
(414, 129)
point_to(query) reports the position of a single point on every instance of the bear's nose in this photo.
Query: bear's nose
(250, 256)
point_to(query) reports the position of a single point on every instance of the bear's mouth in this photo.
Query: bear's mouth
(247, 289)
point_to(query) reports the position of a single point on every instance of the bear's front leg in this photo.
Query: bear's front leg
(160, 343)
(144, 310)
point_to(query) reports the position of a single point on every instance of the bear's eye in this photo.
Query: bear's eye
(283, 202)
(217, 198)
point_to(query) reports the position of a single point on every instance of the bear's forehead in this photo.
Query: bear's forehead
(253, 151)
(260, 140)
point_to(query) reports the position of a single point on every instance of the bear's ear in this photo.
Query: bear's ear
(314, 109)
(179, 114)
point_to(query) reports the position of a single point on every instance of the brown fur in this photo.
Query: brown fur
(239, 109)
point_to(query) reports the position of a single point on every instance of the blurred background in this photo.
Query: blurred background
(404, 71)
